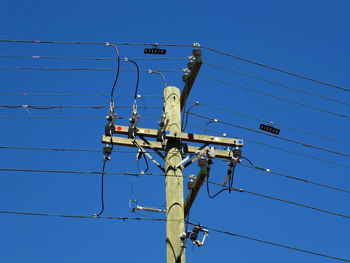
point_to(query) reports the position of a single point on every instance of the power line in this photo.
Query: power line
(49, 107)
(61, 149)
(278, 84)
(76, 95)
(131, 151)
(85, 69)
(268, 171)
(162, 175)
(275, 136)
(275, 244)
(276, 69)
(276, 97)
(164, 220)
(74, 172)
(177, 45)
(81, 216)
(277, 124)
(241, 190)
(61, 117)
(92, 43)
(281, 149)
(90, 58)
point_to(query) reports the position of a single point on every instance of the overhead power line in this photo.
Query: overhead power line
(61, 117)
(50, 107)
(179, 45)
(241, 190)
(92, 43)
(73, 172)
(90, 58)
(268, 171)
(279, 148)
(278, 84)
(271, 135)
(75, 95)
(164, 220)
(276, 69)
(82, 216)
(276, 124)
(86, 69)
(276, 97)
(276, 244)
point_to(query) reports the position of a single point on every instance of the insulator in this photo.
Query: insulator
(150, 209)
(197, 52)
(107, 150)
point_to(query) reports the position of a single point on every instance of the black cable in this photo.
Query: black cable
(276, 69)
(137, 77)
(274, 136)
(50, 107)
(277, 97)
(185, 118)
(118, 70)
(102, 187)
(229, 188)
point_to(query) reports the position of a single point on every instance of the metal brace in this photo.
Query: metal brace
(197, 152)
(148, 155)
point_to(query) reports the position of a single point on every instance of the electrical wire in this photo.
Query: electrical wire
(76, 95)
(50, 107)
(90, 58)
(276, 69)
(276, 124)
(281, 149)
(278, 84)
(274, 136)
(268, 171)
(178, 45)
(75, 172)
(137, 77)
(118, 70)
(89, 69)
(240, 190)
(82, 216)
(166, 220)
(102, 186)
(276, 97)
(61, 149)
(276, 244)
(91, 43)
(185, 118)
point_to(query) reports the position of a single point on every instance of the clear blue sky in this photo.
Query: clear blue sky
(306, 37)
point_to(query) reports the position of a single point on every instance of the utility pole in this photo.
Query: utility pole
(174, 180)
(170, 147)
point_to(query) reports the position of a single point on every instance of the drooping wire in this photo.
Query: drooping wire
(150, 71)
(137, 77)
(185, 118)
(118, 69)
(102, 188)
(229, 188)
(111, 117)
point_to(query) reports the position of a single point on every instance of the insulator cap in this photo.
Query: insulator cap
(107, 150)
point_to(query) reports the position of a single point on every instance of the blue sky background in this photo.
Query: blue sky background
(306, 37)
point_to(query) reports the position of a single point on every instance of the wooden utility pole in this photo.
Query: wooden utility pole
(170, 139)
(174, 179)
